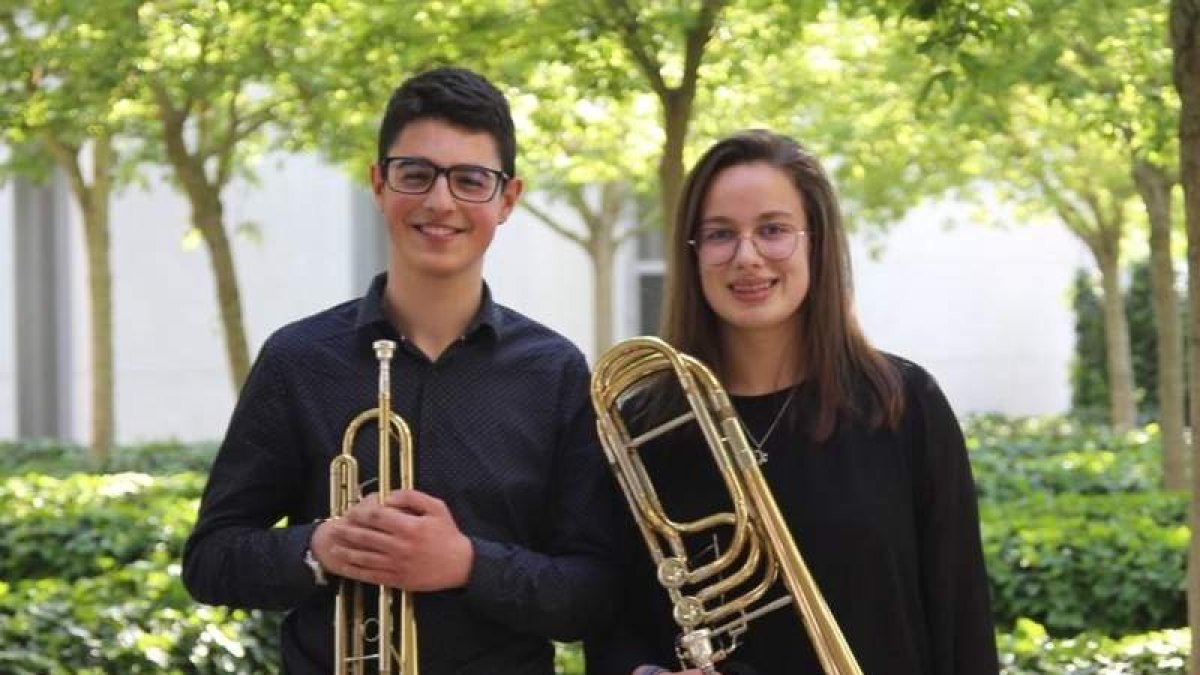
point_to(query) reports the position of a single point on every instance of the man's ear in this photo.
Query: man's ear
(375, 174)
(509, 197)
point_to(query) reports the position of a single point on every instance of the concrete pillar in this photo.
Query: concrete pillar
(41, 263)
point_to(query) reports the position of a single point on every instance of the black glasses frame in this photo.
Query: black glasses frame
(501, 177)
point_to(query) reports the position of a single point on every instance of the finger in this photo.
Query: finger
(369, 514)
(370, 539)
(365, 561)
(367, 575)
(415, 501)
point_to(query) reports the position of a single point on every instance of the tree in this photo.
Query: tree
(1104, 60)
(1185, 48)
(1053, 161)
(66, 75)
(222, 83)
(1112, 64)
(594, 119)
(606, 95)
(592, 153)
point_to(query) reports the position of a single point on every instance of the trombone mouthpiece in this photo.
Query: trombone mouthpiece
(384, 349)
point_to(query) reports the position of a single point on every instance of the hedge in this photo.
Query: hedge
(135, 619)
(1109, 563)
(1029, 650)
(1012, 459)
(53, 458)
(86, 525)
(1076, 536)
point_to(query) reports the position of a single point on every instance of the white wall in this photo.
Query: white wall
(987, 311)
(543, 275)
(8, 333)
(172, 375)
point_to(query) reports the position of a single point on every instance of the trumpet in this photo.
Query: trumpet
(395, 643)
(760, 548)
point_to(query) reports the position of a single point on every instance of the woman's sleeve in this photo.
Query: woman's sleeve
(642, 628)
(953, 577)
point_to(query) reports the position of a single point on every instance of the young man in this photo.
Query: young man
(503, 540)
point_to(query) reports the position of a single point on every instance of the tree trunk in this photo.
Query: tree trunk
(204, 195)
(1122, 410)
(1154, 186)
(677, 114)
(93, 204)
(97, 238)
(602, 274)
(602, 247)
(1185, 46)
(208, 217)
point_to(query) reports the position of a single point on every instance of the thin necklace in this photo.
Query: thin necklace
(759, 443)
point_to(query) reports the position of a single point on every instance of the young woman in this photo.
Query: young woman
(863, 453)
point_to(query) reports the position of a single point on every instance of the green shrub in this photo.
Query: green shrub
(91, 572)
(1012, 459)
(52, 458)
(87, 525)
(1089, 372)
(134, 619)
(568, 658)
(1107, 563)
(92, 586)
(1028, 650)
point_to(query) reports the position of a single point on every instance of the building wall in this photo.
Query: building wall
(542, 274)
(987, 311)
(984, 310)
(172, 376)
(8, 356)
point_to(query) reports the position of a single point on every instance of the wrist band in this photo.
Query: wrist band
(650, 670)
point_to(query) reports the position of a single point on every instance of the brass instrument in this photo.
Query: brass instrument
(395, 645)
(710, 623)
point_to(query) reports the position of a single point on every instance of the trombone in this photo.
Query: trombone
(395, 643)
(761, 547)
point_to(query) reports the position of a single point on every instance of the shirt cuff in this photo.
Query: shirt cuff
(485, 583)
(292, 570)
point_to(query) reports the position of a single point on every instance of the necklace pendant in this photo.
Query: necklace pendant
(760, 457)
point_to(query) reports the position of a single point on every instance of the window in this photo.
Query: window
(649, 269)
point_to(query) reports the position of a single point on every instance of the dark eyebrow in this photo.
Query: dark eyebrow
(414, 159)
(776, 214)
(715, 220)
(767, 215)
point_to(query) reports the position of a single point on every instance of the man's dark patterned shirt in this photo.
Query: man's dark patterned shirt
(503, 433)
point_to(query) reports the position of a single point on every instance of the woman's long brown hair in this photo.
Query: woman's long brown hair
(833, 352)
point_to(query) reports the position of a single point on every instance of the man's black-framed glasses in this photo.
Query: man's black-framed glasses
(467, 182)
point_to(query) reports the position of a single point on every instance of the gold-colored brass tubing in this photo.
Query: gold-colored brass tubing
(395, 642)
(761, 545)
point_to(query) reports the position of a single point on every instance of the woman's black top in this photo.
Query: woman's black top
(886, 521)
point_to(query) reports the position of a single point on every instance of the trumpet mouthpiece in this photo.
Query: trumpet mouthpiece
(384, 349)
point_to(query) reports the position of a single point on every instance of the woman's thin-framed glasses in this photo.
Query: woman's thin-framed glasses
(719, 245)
(467, 182)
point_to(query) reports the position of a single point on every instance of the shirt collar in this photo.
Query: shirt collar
(488, 318)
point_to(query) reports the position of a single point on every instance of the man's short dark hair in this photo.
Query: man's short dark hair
(457, 96)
